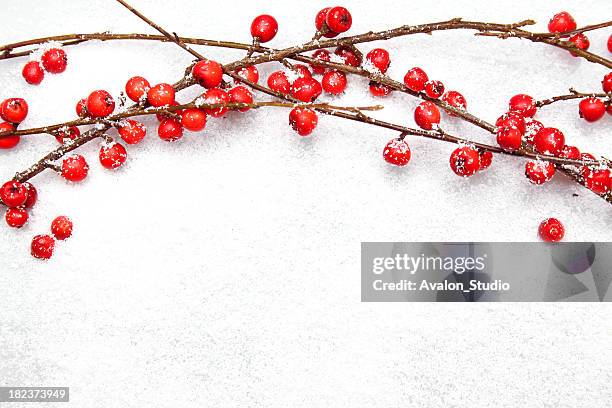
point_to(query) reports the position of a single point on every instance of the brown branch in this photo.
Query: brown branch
(573, 94)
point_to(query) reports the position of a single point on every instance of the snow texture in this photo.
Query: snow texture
(223, 269)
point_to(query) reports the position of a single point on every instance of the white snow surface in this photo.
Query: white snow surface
(224, 269)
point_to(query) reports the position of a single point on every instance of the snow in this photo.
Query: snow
(223, 269)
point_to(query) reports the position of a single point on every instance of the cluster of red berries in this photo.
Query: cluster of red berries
(563, 22)
(53, 61)
(43, 245)
(13, 111)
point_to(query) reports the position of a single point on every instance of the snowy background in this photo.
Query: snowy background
(223, 270)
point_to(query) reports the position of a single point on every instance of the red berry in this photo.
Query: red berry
(509, 138)
(334, 82)
(397, 152)
(599, 181)
(561, 22)
(67, 133)
(426, 115)
(302, 70)
(249, 73)
(33, 73)
(208, 73)
(379, 58)
(531, 128)
(349, 55)
(523, 105)
(591, 109)
(81, 108)
(320, 20)
(549, 141)
(580, 41)
(551, 230)
(512, 120)
(264, 27)
(13, 193)
(379, 90)
(279, 82)
(539, 172)
(112, 155)
(455, 99)
(61, 227)
(75, 168)
(610, 43)
(42, 246)
(586, 169)
(486, 158)
(11, 141)
(322, 55)
(606, 84)
(415, 79)
(14, 110)
(32, 195)
(136, 88)
(100, 104)
(465, 161)
(170, 129)
(216, 96)
(193, 119)
(161, 95)
(339, 19)
(303, 120)
(241, 94)
(570, 152)
(131, 131)
(55, 60)
(306, 89)
(16, 217)
(434, 89)
(161, 116)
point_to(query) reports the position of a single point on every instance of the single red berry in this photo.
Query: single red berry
(570, 152)
(33, 73)
(397, 152)
(13, 193)
(334, 82)
(509, 138)
(32, 195)
(306, 89)
(434, 89)
(591, 109)
(379, 90)
(303, 120)
(379, 58)
(81, 108)
(599, 181)
(264, 28)
(16, 217)
(208, 73)
(241, 94)
(486, 158)
(131, 131)
(11, 141)
(415, 79)
(320, 20)
(322, 55)
(100, 104)
(55, 60)
(161, 95)
(249, 73)
(42, 246)
(75, 168)
(523, 105)
(216, 96)
(456, 100)
(426, 115)
(61, 227)
(338, 19)
(193, 119)
(549, 141)
(279, 82)
(112, 155)
(610, 43)
(302, 70)
(531, 129)
(561, 22)
(539, 172)
(512, 120)
(14, 110)
(170, 129)
(465, 161)
(136, 88)
(606, 84)
(349, 55)
(580, 41)
(551, 230)
(67, 133)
